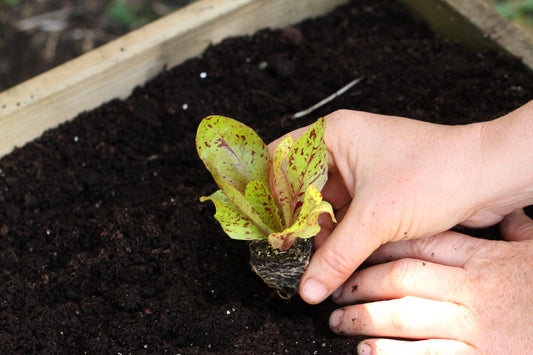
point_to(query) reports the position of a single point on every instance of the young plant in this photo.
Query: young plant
(276, 199)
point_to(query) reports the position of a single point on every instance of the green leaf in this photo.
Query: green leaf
(240, 164)
(263, 204)
(232, 152)
(307, 164)
(235, 156)
(281, 184)
(232, 220)
(306, 225)
(246, 207)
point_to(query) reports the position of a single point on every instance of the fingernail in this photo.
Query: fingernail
(335, 295)
(314, 291)
(335, 318)
(364, 349)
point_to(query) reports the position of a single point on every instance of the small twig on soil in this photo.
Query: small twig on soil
(327, 99)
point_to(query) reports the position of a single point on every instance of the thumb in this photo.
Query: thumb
(517, 226)
(345, 249)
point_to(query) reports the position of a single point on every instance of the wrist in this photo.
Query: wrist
(506, 161)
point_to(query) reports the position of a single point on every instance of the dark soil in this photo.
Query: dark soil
(104, 247)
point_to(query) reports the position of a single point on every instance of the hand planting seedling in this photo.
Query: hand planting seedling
(272, 202)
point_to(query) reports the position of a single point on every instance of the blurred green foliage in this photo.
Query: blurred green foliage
(8, 4)
(129, 15)
(133, 14)
(516, 10)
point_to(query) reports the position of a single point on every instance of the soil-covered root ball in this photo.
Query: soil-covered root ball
(281, 270)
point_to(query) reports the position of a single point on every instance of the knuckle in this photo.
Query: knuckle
(399, 318)
(423, 246)
(431, 351)
(456, 285)
(523, 231)
(401, 274)
(338, 262)
(337, 115)
(464, 325)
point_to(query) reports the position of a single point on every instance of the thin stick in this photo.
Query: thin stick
(49, 22)
(327, 99)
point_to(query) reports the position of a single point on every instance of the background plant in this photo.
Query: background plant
(517, 11)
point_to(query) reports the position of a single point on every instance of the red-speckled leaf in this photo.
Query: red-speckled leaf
(281, 185)
(236, 151)
(263, 204)
(232, 220)
(239, 162)
(306, 225)
(307, 163)
(235, 155)
(246, 207)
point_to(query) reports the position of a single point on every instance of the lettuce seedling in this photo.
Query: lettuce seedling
(262, 199)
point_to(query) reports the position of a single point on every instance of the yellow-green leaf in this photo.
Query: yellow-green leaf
(281, 184)
(263, 203)
(246, 207)
(240, 164)
(232, 220)
(235, 155)
(307, 161)
(306, 225)
(306, 164)
(236, 151)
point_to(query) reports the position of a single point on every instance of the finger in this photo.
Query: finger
(325, 221)
(344, 250)
(517, 226)
(335, 192)
(404, 277)
(327, 226)
(297, 133)
(420, 347)
(408, 317)
(447, 248)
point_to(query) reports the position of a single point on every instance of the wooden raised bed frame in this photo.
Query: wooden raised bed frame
(113, 70)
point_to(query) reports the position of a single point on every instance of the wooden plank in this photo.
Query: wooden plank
(476, 24)
(113, 70)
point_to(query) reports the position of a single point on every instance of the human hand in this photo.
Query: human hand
(393, 178)
(453, 293)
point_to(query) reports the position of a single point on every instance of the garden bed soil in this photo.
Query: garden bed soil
(104, 246)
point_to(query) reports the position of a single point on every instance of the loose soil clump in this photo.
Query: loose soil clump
(104, 246)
